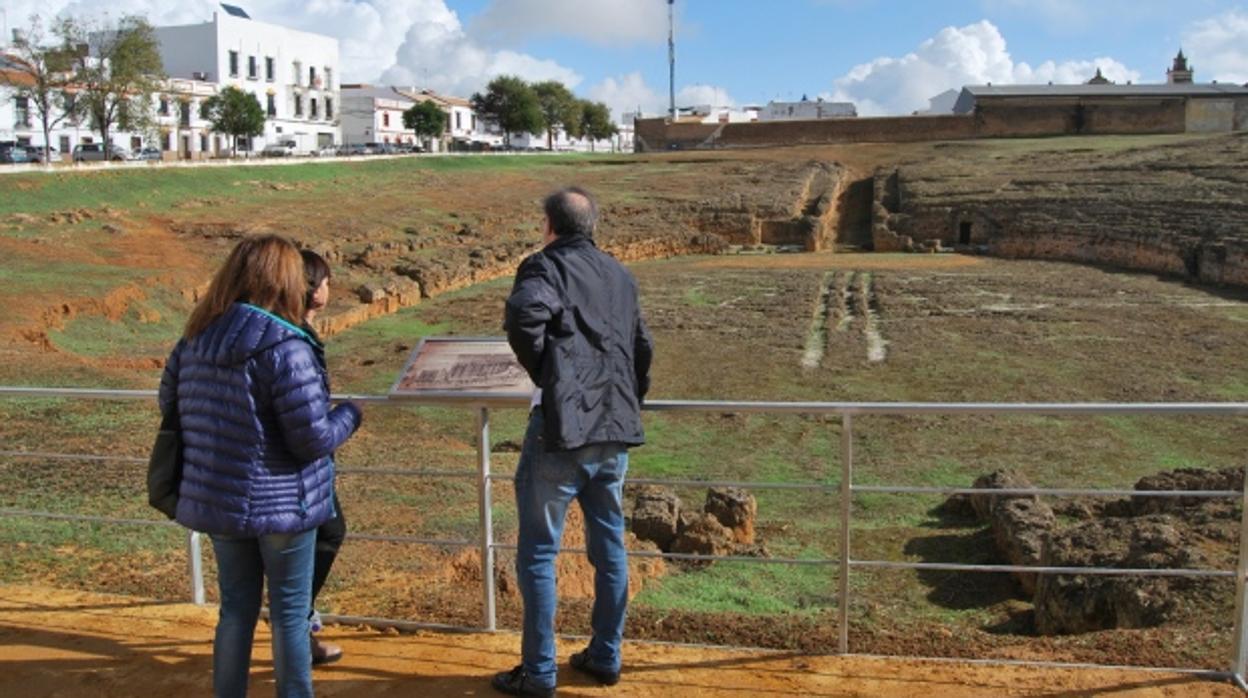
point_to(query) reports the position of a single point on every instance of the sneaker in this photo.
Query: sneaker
(580, 662)
(517, 683)
(324, 652)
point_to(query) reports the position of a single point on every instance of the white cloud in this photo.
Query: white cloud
(608, 22)
(415, 42)
(956, 56)
(1218, 47)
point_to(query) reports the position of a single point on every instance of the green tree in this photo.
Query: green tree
(595, 123)
(40, 74)
(117, 70)
(559, 108)
(235, 113)
(512, 103)
(426, 119)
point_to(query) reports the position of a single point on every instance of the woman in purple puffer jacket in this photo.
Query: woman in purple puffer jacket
(258, 434)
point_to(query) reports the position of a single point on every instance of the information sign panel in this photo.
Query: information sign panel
(463, 368)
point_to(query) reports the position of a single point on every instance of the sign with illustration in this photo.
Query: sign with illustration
(451, 367)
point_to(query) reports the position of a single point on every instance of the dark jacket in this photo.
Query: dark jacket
(574, 322)
(258, 432)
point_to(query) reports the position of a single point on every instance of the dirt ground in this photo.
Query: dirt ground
(59, 643)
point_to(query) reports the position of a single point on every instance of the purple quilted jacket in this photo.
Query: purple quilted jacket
(258, 432)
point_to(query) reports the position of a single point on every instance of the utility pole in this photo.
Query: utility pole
(671, 60)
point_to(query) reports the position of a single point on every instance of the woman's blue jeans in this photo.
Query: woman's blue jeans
(242, 565)
(545, 483)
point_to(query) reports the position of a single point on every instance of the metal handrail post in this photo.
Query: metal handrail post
(847, 472)
(487, 517)
(1239, 662)
(195, 559)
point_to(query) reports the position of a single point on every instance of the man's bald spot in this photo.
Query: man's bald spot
(571, 211)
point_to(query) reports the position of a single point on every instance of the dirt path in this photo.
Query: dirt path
(62, 643)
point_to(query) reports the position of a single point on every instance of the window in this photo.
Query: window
(65, 144)
(474, 122)
(23, 140)
(385, 119)
(298, 105)
(272, 108)
(329, 78)
(203, 110)
(203, 142)
(166, 143)
(312, 76)
(458, 125)
(312, 107)
(269, 68)
(297, 72)
(136, 144)
(329, 108)
(163, 109)
(21, 105)
(253, 69)
(233, 64)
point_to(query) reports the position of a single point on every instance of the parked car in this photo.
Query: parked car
(34, 153)
(94, 152)
(357, 149)
(149, 153)
(11, 152)
(376, 148)
(327, 151)
(280, 149)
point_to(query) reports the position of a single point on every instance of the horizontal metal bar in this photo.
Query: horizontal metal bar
(1058, 492)
(44, 455)
(853, 408)
(693, 556)
(407, 625)
(407, 473)
(84, 518)
(708, 483)
(1092, 571)
(412, 540)
(1212, 674)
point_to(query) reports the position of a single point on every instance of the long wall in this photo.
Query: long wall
(993, 118)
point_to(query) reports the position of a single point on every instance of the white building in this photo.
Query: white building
(807, 110)
(374, 115)
(293, 74)
(464, 129)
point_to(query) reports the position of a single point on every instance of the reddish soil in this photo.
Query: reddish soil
(58, 643)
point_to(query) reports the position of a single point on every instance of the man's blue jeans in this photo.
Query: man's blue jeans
(242, 565)
(545, 483)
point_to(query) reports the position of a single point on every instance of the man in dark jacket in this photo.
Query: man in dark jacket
(575, 325)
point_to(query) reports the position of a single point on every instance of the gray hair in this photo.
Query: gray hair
(571, 211)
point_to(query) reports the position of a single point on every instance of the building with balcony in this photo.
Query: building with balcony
(294, 74)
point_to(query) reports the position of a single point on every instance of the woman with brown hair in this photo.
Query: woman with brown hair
(258, 434)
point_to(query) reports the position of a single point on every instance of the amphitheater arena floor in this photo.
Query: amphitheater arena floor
(70, 643)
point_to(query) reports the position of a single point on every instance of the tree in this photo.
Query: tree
(117, 69)
(426, 119)
(511, 102)
(596, 122)
(235, 113)
(559, 108)
(41, 74)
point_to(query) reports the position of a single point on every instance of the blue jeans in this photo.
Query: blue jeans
(242, 565)
(545, 483)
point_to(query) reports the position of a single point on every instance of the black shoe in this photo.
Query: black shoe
(517, 683)
(580, 662)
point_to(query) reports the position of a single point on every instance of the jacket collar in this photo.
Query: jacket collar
(569, 241)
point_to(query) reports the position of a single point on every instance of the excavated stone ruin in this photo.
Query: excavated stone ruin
(1138, 532)
(724, 526)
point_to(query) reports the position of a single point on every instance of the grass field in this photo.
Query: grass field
(103, 308)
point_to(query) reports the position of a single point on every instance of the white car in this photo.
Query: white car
(280, 149)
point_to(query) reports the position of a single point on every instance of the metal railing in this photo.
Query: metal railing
(482, 404)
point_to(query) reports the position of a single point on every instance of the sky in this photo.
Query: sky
(888, 57)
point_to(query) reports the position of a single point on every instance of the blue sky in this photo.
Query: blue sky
(886, 57)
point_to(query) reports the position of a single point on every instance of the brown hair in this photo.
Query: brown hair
(264, 270)
(316, 270)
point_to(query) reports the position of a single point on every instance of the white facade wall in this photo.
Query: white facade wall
(293, 74)
(370, 118)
